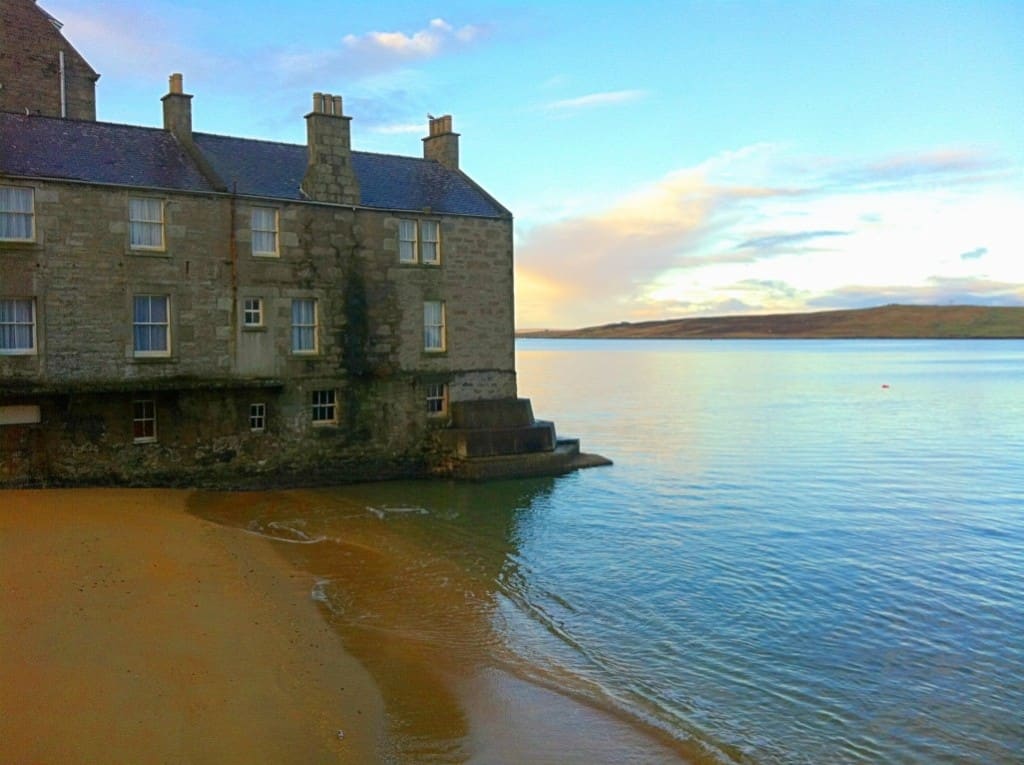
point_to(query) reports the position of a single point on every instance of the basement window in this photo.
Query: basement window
(144, 421)
(325, 408)
(17, 214)
(257, 417)
(437, 400)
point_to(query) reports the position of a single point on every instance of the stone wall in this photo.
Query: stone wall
(30, 47)
(83, 274)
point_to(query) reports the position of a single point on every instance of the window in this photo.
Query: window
(433, 326)
(151, 325)
(304, 325)
(437, 399)
(257, 417)
(430, 247)
(324, 407)
(17, 215)
(146, 223)
(419, 242)
(144, 421)
(20, 414)
(17, 326)
(264, 231)
(407, 241)
(252, 312)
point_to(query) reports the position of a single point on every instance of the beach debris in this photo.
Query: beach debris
(341, 735)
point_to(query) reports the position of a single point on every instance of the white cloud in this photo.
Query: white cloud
(376, 52)
(400, 128)
(136, 40)
(759, 230)
(591, 100)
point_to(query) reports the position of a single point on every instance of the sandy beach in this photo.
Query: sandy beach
(131, 631)
(149, 626)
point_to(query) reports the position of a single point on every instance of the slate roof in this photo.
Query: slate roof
(107, 153)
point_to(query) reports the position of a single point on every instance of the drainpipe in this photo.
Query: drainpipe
(63, 88)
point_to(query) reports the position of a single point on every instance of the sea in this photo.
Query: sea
(806, 551)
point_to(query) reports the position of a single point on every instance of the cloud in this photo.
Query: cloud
(400, 128)
(784, 241)
(950, 166)
(376, 52)
(605, 264)
(937, 290)
(755, 230)
(138, 40)
(591, 100)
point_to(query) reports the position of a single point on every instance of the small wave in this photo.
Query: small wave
(383, 512)
(279, 531)
(320, 594)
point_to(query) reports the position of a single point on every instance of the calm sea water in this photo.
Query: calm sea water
(806, 551)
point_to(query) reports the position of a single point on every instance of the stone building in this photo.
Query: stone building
(179, 307)
(40, 72)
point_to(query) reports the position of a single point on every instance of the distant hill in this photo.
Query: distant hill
(891, 321)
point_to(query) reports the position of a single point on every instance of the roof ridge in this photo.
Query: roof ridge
(80, 121)
(303, 146)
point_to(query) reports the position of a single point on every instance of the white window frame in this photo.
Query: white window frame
(417, 238)
(408, 241)
(434, 331)
(11, 212)
(437, 399)
(149, 324)
(430, 241)
(257, 417)
(325, 407)
(302, 329)
(259, 232)
(138, 223)
(144, 416)
(252, 312)
(13, 325)
(20, 414)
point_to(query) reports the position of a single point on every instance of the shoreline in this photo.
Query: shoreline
(156, 625)
(132, 630)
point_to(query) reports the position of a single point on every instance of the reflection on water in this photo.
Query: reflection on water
(418, 578)
(806, 552)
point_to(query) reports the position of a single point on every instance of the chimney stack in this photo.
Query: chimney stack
(178, 110)
(329, 174)
(442, 145)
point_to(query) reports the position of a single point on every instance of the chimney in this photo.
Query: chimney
(442, 145)
(178, 119)
(329, 174)
(178, 110)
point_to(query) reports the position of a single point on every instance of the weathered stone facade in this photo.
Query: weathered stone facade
(83, 274)
(180, 308)
(40, 72)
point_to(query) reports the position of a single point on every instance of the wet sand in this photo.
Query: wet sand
(148, 626)
(131, 631)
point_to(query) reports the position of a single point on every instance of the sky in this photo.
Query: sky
(661, 159)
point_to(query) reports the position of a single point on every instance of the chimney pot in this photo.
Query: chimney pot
(176, 83)
(329, 175)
